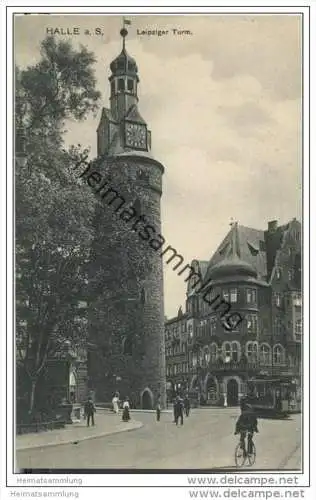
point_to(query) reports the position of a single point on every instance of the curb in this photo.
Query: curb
(138, 425)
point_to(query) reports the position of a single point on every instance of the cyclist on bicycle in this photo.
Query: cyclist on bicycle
(246, 423)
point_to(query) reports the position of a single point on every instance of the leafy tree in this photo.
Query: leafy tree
(53, 210)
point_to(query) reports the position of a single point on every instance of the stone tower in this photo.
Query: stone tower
(127, 351)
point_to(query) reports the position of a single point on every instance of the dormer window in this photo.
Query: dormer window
(233, 295)
(254, 250)
(251, 296)
(225, 295)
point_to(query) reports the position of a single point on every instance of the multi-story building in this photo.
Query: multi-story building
(254, 277)
(176, 345)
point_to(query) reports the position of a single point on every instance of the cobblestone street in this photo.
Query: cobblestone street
(206, 441)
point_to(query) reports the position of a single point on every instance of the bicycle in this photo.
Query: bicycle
(242, 454)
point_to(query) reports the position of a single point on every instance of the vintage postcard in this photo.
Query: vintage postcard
(158, 249)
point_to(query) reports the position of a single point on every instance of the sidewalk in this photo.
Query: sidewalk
(106, 424)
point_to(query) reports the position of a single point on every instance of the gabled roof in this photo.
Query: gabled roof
(134, 115)
(106, 115)
(284, 231)
(203, 265)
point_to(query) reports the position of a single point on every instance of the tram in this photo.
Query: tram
(270, 397)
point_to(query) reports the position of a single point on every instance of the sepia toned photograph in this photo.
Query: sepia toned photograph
(158, 259)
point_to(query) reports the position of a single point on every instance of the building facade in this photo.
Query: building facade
(176, 343)
(127, 320)
(255, 277)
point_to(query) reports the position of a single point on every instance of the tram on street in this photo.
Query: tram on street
(270, 397)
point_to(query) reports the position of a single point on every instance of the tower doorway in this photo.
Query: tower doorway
(232, 392)
(147, 400)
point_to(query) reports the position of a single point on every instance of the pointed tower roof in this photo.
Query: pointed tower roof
(232, 263)
(124, 64)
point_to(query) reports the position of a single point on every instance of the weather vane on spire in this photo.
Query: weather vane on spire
(124, 32)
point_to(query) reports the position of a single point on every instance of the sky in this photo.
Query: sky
(224, 107)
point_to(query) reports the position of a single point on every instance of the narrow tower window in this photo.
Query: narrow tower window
(113, 87)
(130, 85)
(121, 85)
(127, 346)
(137, 206)
(142, 296)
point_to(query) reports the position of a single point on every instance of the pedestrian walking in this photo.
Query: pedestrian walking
(179, 410)
(126, 415)
(158, 408)
(187, 405)
(89, 411)
(174, 404)
(115, 403)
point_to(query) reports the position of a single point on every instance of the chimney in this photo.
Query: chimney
(272, 226)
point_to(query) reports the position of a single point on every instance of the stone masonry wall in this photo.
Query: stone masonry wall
(126, 278)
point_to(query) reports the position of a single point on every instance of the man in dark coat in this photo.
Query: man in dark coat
(89, 411)
(187, 405)
(158, 408)
(179, 410)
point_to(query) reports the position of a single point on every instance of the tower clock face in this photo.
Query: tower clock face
(136, 135)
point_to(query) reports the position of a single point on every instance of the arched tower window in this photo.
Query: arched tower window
(127, 345)
(137, 206)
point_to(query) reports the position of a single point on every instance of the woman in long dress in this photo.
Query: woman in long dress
(115, 403)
